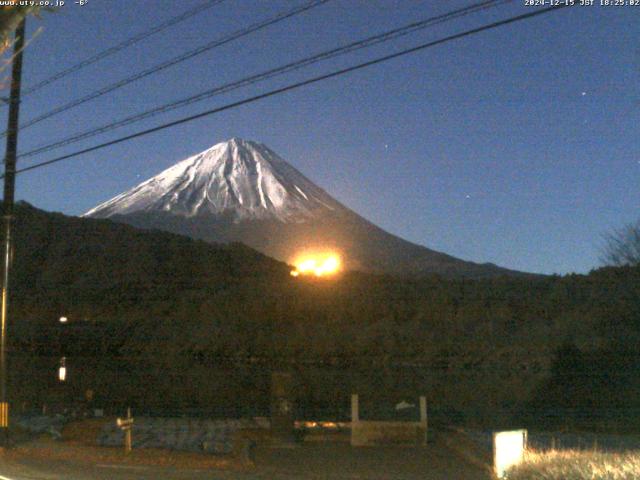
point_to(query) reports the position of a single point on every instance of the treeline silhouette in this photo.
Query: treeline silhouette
(168, 323)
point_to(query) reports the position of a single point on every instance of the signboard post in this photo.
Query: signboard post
(126, 424)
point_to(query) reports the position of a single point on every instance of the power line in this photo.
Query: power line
(290, 67)
(174, 61)
(122, 45)
(295, 86)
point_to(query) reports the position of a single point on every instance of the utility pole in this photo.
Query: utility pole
(9, 193)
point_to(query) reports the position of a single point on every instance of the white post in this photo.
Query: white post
(423, 416)
(355, 416)
(423, 409)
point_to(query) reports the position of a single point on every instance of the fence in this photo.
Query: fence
(374, 432)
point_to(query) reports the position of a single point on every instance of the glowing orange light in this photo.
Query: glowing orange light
(318, 265)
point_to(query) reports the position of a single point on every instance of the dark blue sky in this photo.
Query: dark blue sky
(518, 146)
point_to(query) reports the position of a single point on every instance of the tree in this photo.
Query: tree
(622, 246)
(10, 17)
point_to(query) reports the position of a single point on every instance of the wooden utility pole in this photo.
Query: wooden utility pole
(9, 194)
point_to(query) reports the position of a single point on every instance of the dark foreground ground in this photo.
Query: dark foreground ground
(335, 460)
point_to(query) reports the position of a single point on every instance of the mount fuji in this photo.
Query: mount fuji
(242, 191)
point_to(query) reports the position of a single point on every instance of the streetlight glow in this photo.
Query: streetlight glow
(62, 370)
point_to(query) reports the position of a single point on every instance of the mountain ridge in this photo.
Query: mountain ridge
(241, 190)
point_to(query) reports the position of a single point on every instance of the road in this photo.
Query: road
(313, 462)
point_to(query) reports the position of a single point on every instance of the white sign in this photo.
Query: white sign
(508, 450)
(125, 423)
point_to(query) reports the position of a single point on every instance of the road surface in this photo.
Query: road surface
(337, 461)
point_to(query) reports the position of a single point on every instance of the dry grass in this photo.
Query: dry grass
(577, 465)
(46, 449)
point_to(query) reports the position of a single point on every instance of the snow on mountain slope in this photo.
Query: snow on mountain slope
(242, 179)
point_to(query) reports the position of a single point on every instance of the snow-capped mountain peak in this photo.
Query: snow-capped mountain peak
(239, 178)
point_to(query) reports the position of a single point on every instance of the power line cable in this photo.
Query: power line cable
(122, 45)
(290, 67)
(294, 86)
(174, 61)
